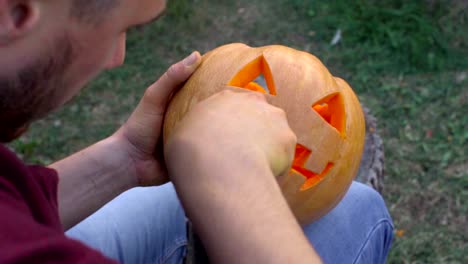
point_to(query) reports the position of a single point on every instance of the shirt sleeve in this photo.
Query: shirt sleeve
(23, 240)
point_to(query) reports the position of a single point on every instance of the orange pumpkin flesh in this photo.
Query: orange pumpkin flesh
(322, 110)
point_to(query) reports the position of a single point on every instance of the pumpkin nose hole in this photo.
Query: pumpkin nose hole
(312, 178)
(255, 76)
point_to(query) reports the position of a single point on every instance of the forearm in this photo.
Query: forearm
(250, 231)
(91, 178)
(238, 222)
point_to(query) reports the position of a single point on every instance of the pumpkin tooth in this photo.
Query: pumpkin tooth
(312, 178)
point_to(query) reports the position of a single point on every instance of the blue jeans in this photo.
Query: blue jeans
(147, 225)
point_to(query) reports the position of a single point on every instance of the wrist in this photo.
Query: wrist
(115, 156)
(90, 178)
(146, 167)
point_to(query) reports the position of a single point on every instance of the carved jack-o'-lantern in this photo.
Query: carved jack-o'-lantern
(322, 110)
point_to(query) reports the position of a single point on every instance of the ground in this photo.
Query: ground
(407, 61)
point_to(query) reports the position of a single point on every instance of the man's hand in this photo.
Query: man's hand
(240, 129)
(143, 130)
(223, 158)
(97, 174)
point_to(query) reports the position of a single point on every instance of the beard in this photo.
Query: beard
(33, 91)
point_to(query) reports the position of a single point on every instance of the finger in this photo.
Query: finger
(291, 149)
(145, 122)
(285, 141)
(252, 94)
(281, 155)
(158, 94)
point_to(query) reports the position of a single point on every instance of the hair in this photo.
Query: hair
(91, 11)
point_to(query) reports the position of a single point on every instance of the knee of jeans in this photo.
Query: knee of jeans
(371, 209)
(377, 245)
(360, 219)
(367, 201)
(174, 255)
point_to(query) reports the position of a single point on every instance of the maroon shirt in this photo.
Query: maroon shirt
(30, 228)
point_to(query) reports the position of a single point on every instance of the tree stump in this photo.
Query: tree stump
(371, 172)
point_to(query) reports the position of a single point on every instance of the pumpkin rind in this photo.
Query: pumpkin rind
(333, 131)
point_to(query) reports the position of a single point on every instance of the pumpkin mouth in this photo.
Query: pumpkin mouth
(312, 178)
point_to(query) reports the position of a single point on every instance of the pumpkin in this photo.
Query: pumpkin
(322, 110)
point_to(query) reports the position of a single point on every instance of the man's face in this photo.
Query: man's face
(49, 64)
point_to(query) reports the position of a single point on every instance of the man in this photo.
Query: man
(49, 50)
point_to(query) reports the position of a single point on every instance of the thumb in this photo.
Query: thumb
(144, 125)
(157, 95)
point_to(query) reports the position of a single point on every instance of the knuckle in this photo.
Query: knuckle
(279, 111)
(287, 135)
(223, 95)
(292, 137)
(226, 92)
(256, 96)
(174, 71)
(290, 141)
(285, 131)
(150, 92)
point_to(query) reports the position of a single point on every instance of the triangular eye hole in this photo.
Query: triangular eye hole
(255, 76)
(332, 110)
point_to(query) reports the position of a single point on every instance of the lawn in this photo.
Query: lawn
(407, 61)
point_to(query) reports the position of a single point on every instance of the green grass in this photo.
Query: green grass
(407, 60)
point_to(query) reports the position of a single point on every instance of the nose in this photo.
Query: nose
(118, 57)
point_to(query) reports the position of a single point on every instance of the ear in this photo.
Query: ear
(17, 19)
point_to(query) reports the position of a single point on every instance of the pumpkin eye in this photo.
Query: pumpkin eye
(249, 77)
(331, 109)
